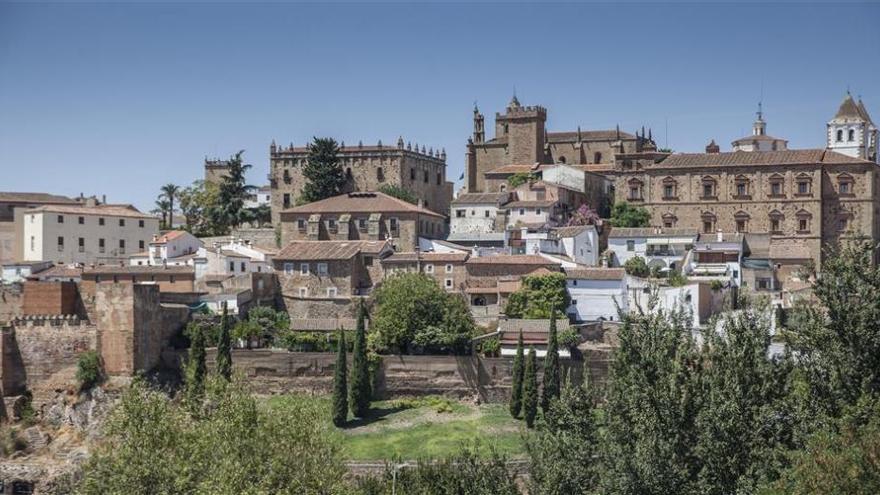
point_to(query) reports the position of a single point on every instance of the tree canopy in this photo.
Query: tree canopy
(624, 214)
(539, 297)
(323, 172)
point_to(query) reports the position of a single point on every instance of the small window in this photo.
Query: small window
(392, 224)
(141, 223)
(425, 177)
(707, 227)
(82, 220)
(775, 225)
(242, 266)
(32, 243)
(742, 225)
(122, 222)
(412, 174)
(448, 283)
(301, 224)
(741, 190)
(331, 292)
(331, 224)
(486, 213)
(232, 266)
(803, 225)
(82, 244)
(537, 211)
(522, 211)
(303, 268)
(368, 261)
(776, 188)
(60, 218)
(439, 181)
(448, 268)
(303, 292)
(708, 190)
(141, 244)
(668, 191)
(460, 213)
(630, 246)
(322, 269)
(362, 224)
(60, 243)
(288, 268)
(100, 245)
(380, 174)
(285, 200)
(840, 136)
(429, 268)
(597, 157)
(851, 135)
(100, 221)
(803, 187)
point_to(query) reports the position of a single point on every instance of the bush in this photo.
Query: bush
(716, 285)
(539, 297)
(636, 267)
(569, 338)
(677, 279)
(490, 347)
(301, 341)
(626, 215)
(89, 371)
(520, 178)
(399, 193)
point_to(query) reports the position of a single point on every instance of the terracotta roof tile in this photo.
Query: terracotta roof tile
(412, 257)
(570, 231)
(329, 250)
(511, 259)
(756, 158)
(361, 202)
(100, 210)
(138, 269)
(595, 273)
(481, 198)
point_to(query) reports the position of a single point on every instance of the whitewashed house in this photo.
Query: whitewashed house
(716, 257)
(478, 218)
(175, 248)
(596, 293)
(18, 271)
(660, 247)
(572, 247)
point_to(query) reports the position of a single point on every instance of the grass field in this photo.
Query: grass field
(428, 428)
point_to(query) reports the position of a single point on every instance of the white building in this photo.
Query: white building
(596, 293)
(851, 132)
(175, 248)
(569, 246)
(716, 257)
(759, 140)
(524, 213)
(18, 271)
(478, 218)
(694, 298)
(660, 247)
(86, 233)
(236, 257)
(261, 196)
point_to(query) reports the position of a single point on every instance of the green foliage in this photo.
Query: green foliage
(520, 178)
(196, 203)
(539, 296)
(263, 323)
(224, 346)
(340, 388)
(636, 267)
(677, 279)
(89, 371)
(323, 172)
(437, 403)
(516, 392)
(562, 452)
(530, 389)
(624, 214)
(360, 387)
(463, 473)
(153, 445)
(716, 285)
(399, 193)
(412, 313)
(229, 210)
(311, 341)
(550, 377)
(196, 370)
(490, 347)
(169, 193)
(569, 338)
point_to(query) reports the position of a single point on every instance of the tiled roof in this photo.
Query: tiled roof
(570, 231)
(329, 250)
(480, 198)
(725, 237)
(595, 273)
(531, 204)
(598, 135)
(361, 202)
(170, 236)
(849, 110)
(101, 210)
(629, 232)
(411, 257)
(31, 197)
(511, 259)
(59, 271)
(513, 169)
(757, 158)
(597, 168)
(515, 325)
(138, 270)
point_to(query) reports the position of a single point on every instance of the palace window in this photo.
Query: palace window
(803, 218)
(635, 190)
(844, 184)
(742, 186)
(776, 183)
(776, 219)
(669, 188)
(669, 220)
(709, 188)
(742, 221)
(804, 183)
(708, 222)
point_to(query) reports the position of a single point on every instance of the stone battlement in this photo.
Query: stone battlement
(360, 149)
(49, 320)
(520, 112)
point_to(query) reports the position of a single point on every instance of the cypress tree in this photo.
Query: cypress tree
(551, 367)
(516, 393)
(224, 347)
(195, 366)
(530, 390)
(360, 390)
(340, 390)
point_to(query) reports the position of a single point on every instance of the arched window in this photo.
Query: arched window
(840, 135)
(851, 135)
(597, 157)
(561, 159)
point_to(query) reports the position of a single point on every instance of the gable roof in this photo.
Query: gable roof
(570, 231)
(480, 198)
(100, 210)
(329, 250)
(32, 197)
(170, 236)
(138, 270)
(361, 202)
(758, 158)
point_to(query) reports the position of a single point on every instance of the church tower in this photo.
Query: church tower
(523, 128)
(851, 132)
(479, 129)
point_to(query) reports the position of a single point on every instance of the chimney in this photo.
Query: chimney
(713, 148)
(720, 236)
(421, 203)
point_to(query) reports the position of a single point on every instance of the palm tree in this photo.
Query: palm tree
(161, 209)
(169, 192)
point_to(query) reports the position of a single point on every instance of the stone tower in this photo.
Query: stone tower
(851, 132)
(523, 128)
(479, 126)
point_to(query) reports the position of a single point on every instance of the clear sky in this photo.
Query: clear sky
(119, 99)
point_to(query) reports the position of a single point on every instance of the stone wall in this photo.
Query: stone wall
(275, 371)
(11, 302)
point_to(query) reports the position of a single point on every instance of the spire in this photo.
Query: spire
(759, 128)
(514, 102)
(864, 111)
(400, 142)
(618, 132)
(650, 137)
(849, 109)
(579, 134)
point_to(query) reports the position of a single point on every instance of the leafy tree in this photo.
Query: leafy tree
(89, 371)
(224, 347)
(530, 390)
(260, 215)
(360, 390)
(229, 211)
(584, 216)
(466, 472)
(151, 444)
(624, 214)
(516, 391)
(636, 267)
(196, 203)
(412, 310)
(520, 178)
(562, 452)
(550, 377)
(323, 172)
(539, 297)
(170, 193)
(399, 193)
(196, 369)
(340, 389)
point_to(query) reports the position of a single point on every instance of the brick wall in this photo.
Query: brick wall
(50, 298)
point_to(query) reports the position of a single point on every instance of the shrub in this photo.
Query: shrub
(520, 178)
(539, 297)
(89, 371)
(569, 338)
(716, 285)
(490, 347)
(636, 267)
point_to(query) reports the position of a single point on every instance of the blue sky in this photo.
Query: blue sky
(119, 99)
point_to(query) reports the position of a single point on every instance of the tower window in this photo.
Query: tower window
(597, 157)
(839, 136)
(851, 135)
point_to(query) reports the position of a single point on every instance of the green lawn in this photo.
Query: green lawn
(428, 428)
